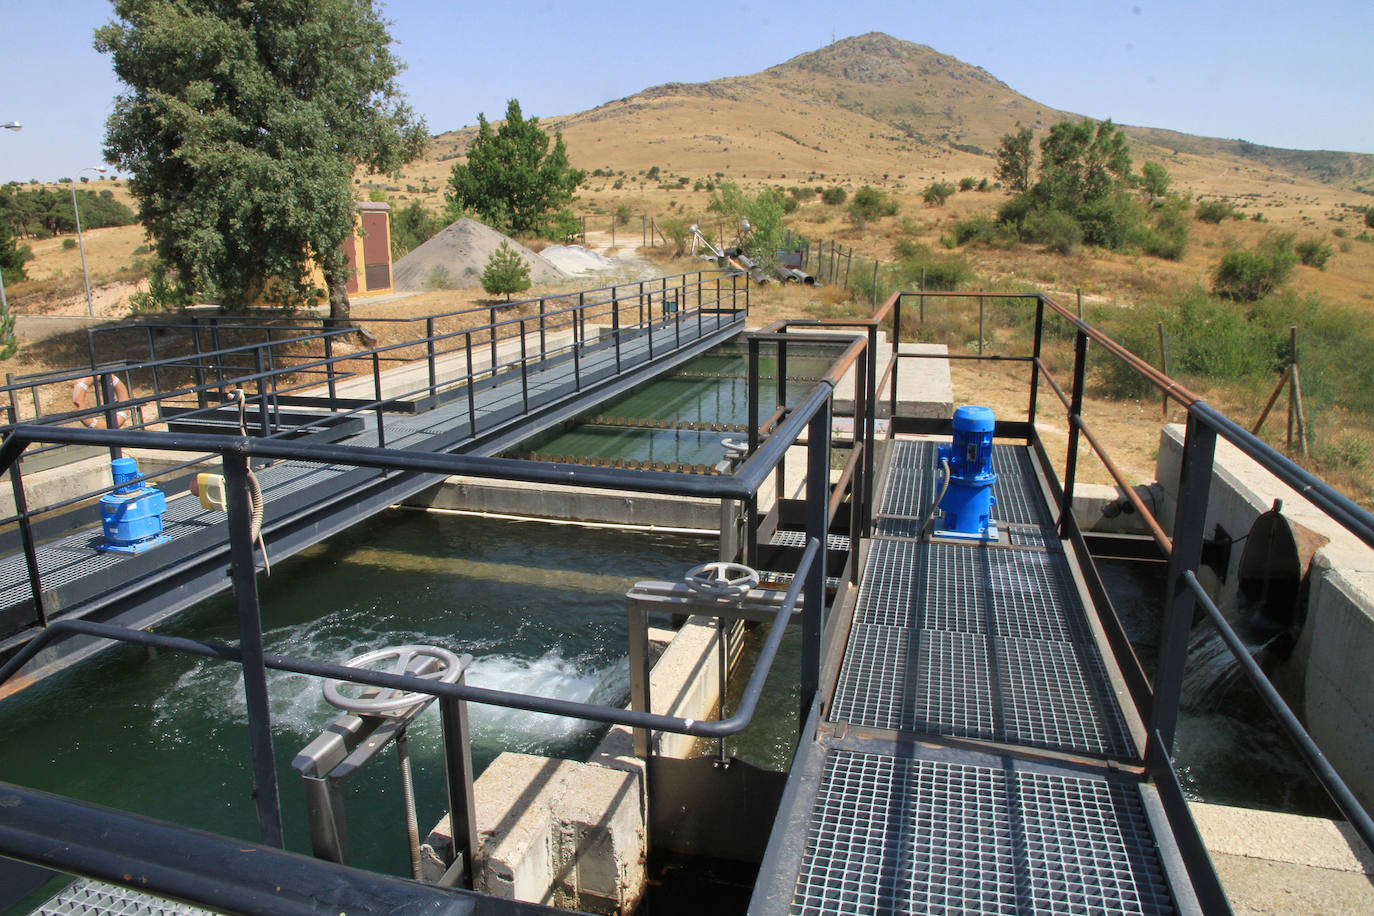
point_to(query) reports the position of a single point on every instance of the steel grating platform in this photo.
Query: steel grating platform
(898, 835)
(84, 897)
(973, 756)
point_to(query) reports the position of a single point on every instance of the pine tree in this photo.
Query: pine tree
(505, 273)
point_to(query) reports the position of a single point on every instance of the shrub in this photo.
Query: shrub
(1110, 221)
(942, 271)
(1055, 229)
(985, 231)
(622, 214)
(1313, 253)
(870, 203)
(505, 272)
(834, 196)
(1369, 217)
(68, 244)
(1246, 275)
(936, 193)
(968, 184)
(1214, 211)
(1168, 238)
(678, 235)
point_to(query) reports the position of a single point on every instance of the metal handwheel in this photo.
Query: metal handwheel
(721, 579)
(428, 662)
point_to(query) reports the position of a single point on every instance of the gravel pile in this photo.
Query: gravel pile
(457, 256)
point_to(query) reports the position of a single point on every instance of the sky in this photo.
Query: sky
(1279, 74)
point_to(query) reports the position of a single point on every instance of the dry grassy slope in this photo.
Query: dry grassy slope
(873, 106)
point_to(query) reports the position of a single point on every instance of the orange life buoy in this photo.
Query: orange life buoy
(83, 387)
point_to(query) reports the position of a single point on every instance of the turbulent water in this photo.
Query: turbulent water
(541, 609)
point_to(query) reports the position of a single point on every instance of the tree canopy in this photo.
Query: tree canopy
(513, 180)
(1014, 160)
(242, 126)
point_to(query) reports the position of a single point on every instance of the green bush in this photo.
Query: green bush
(68, 244)
(1313, 253)
(1168, 237)
(942, 271)
(834, 196)
(622, 214)
(1055, 229)
(870, 203)
(968, 184)
(1246, 275)
(678, 235)
(936, 193)
(1110, 221)
(1214, 211)
(984, 230)
(1369, 217)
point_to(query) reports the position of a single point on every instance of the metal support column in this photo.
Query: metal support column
(639, 675)
(817, 526)
(1194, 485)
(244, 572)
(458, 770)
(1080, 370)
(1035, 364)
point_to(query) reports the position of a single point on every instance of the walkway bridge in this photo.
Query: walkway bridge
(978, 735)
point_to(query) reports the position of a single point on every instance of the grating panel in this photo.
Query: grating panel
(892, 835)
(890, 589)
(872, 687)
(92, 898)
(887, 526)
(1057, 695)
(1017, 490)
(785, 537)
(1034, 536)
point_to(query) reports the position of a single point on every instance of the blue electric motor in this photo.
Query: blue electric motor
(968, 499)
(132, 514)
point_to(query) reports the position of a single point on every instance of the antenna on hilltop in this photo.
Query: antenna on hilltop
(832, 36)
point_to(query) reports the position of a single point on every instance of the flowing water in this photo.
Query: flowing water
(540, 607)
(1228, 748)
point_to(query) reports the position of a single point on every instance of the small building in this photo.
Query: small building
(371, 273)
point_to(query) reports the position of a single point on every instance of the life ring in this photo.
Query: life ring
(83, 387)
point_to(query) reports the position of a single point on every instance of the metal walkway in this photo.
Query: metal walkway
(307, 502)
(974, 757)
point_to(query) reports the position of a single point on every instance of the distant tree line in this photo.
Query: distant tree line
(45, 212)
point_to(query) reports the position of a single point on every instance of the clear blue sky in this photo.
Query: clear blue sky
(1282, 74)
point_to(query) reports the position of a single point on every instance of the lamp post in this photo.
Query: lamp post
(76, 211)
(4, 303)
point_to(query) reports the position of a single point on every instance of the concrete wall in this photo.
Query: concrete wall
(1327, 680)
(572, 503)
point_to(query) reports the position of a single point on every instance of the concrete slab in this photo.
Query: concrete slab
(1275, 863)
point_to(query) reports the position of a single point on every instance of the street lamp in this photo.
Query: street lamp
(4, 303)
(90, 305)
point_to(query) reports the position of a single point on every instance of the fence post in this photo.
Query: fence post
(492, 333)
(1163, 367)
(923, 296)
(21, 508)
(875, 282)
(429, 357)
(817, 527)
(377, 387)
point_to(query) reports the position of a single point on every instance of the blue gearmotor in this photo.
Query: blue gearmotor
(132, 514)
(968, 500)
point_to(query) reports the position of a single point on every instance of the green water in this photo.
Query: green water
(681, 399)
(540, 607)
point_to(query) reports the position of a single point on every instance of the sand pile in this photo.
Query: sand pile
(576, 261)
(458, 255)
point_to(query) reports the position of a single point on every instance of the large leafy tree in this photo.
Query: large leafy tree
(241, 127)
(512, 179)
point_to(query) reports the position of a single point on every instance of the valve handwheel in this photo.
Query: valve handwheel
(721, 579)
(428, 662)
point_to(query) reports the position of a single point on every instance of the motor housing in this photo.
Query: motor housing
(131, 515)
(968, 501)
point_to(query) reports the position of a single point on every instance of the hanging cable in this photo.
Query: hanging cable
(255, 500)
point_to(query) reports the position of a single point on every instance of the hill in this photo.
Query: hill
(874, 109)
